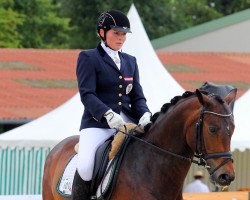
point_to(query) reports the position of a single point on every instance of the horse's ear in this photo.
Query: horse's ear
(230, 98)
(202, 98)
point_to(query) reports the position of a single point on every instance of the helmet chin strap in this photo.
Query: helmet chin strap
(104, 38)
(108, 45)
(111, 48)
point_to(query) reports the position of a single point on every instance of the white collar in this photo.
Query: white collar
(112, 53)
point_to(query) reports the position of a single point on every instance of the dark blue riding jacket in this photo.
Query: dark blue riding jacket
(102, 86)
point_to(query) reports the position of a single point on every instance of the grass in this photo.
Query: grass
(69, 84)
(181, 68)
(16, 65)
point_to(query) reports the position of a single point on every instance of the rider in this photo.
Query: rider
(108, 82)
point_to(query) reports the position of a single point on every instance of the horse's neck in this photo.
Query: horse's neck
(162, 174)
(148, 167)
(169, 132)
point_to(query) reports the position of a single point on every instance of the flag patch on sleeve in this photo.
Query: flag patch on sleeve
(128, 78)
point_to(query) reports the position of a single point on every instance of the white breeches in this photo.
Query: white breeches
(90, 140)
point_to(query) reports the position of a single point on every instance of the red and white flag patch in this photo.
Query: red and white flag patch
(128, 78)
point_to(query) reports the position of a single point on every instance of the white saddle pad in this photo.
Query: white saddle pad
(66, 181)
(65, 184)
(104, 185)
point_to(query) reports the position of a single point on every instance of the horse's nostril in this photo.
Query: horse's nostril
(225, 179)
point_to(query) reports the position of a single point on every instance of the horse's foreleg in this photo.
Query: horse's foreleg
(179, 197)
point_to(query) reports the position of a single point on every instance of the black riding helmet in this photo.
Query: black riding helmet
(113, 19)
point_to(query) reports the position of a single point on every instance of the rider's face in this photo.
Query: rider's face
(114, 39)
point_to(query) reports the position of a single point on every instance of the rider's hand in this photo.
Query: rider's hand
(144, 120)
(114, 120)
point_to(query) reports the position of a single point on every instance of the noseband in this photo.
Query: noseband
(203, 157)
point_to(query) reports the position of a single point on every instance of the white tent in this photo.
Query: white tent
(158, 85)
(159, 88)
(48, 129)
(241, 136)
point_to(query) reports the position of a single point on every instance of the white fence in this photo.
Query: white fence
(21, 170)
(21, 197)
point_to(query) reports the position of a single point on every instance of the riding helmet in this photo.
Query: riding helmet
(113, 19)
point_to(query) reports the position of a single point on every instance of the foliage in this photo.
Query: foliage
(227, 7)
(170, 16)
(41, 27)
(9, 20)
(32, 24)
(160, 17)
(72, 24)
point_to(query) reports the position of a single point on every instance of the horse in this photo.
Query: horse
(192, 128)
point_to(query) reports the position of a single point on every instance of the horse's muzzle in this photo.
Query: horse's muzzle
(225, 179)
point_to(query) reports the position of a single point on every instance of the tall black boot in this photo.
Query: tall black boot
(80, 188)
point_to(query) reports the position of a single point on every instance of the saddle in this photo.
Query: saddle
(108, 159)
(107, 162)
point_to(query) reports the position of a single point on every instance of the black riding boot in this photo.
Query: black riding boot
(80, 188)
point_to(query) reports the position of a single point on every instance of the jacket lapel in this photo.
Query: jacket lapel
(107, 58)
(123, 63)
(109, 61)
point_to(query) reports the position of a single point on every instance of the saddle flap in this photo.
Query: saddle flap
(101, 163)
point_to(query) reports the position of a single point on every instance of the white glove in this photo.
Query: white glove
(114, 120)
(144, 120)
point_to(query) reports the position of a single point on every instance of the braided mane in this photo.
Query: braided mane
(174, 101)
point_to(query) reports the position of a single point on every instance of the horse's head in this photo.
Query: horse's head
(214, 130)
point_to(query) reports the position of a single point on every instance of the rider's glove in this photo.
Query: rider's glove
(144, 120)
(114, 120)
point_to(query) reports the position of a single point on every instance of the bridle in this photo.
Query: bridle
(201, 158)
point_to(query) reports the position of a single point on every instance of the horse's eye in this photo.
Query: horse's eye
(212, 129)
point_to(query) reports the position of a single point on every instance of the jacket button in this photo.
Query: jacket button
(120, 94)
(119, 103)
(120, 77)
(120, 86)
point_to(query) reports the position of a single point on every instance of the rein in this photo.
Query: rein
(198, 153)
(156, 147)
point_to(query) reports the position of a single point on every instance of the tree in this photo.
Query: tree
(197, 11)
(72, 24)
(9, 20)
(41, 27)
(227, 7)
(160, 17)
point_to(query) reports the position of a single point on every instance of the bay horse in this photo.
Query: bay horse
(194, 127)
